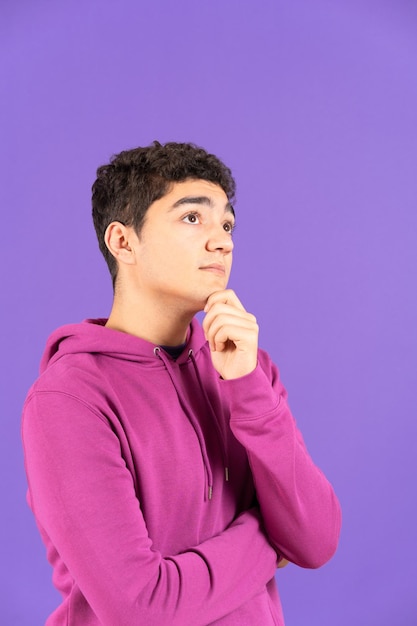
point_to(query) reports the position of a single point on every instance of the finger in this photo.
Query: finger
(233, 337)
(226, 296)
(231, 317)
(220, 310)
(233, 328)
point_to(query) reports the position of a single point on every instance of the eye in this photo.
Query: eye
(191, 218)
(229, 227)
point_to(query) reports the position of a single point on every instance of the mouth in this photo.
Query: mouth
(216, 268)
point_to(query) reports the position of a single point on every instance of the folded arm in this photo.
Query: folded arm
(83, 497)
(299, 508)
(298, 505)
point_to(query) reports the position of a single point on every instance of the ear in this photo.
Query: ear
(119, 239)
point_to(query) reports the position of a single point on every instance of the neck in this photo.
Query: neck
(157, 322)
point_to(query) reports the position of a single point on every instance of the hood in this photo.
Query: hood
(92, 336)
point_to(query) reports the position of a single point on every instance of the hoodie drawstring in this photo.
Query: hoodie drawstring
(220, 433)
(196, 426)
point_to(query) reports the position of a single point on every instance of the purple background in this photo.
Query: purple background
(314, 107)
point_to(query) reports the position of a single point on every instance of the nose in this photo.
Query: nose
(219, 239)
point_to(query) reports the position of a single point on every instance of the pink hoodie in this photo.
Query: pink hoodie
(163, 493)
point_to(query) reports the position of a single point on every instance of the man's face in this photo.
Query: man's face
(184, 249)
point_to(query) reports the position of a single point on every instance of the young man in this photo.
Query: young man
(165, 470)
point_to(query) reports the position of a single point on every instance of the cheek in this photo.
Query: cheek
(153, 262)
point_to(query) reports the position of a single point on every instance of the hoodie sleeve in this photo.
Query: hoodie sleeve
(300, 511)
(83, 498)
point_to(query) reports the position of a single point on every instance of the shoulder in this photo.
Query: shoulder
(71, 372)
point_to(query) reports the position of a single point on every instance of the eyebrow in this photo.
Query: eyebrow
(205, 200)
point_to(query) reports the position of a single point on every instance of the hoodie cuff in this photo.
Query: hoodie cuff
(251, 396)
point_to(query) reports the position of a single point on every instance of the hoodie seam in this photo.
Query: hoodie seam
(68, 395)
(278, 408)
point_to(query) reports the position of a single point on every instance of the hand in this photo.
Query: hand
(232, 334)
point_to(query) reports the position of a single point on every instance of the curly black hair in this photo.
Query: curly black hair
(134, 179)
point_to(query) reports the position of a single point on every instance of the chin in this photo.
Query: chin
(201, 303)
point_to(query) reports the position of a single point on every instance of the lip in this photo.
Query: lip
(216, 268)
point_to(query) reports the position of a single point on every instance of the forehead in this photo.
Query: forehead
(196, 189)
